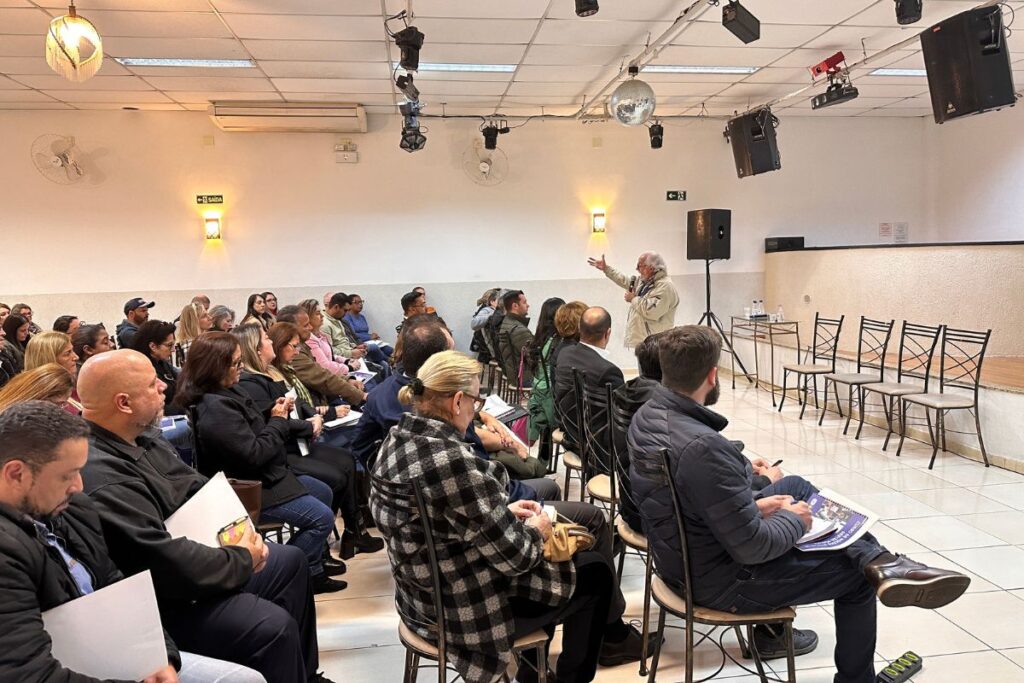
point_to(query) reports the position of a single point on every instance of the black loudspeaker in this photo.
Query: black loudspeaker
(968, 64)
(774, 244)
(708, 234)
(753, 143)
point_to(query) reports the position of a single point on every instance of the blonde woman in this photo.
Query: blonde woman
(55, 347)
(493, 546)
(50, 382)
(193, 322)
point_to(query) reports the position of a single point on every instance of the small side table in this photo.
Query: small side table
(760, 330)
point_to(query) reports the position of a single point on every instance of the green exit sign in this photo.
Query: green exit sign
(209, 199)
(675, 195)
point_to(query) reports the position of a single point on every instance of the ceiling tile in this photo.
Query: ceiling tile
(541, 89)
(15, 3)
(202, 83)
(688, 89)
(194, 71)
(706, 34)
(187, 97)
(654, 78)
(503, 76)
(635, 10)
(914, 61)
(308, 69)
(319, 50)
(157, 24)
(560, 73)
(802, 11)
(758, 91)
(478, 53)
(913, 103)
(434, 107)
(780, 75)
(54, 82)
(38, 65)
(22, 21)
(123, 96)
(806, 58)
(142, 5)
(719, 56)
(601, 32)
(8, 84)
(22, 46)
(175, 47)
(831, 112)
(519, 9)
(581, 55)
(908, 113)
(141, 106)
(435, 89)
(321, 7)
(361, 98)
(489, 31)
(23, 96)
(291, 27)
(378, 85)
(33, 105)
(552, 99)
(853, 40)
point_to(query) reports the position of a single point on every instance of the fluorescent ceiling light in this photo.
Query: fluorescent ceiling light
(201, 63)
(899, 72)
(496, 68)
(673, 69)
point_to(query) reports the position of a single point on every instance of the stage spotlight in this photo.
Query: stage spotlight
(741, 22)
(839, 90)
(491, 130)
(409, 40)
(657, 133)
(408, 88)
(584, 8)
(412, 139)
(908, 11)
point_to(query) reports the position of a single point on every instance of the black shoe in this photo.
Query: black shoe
(322, 583)
(331, 561)
(626, 650)
(334, 569)
(352, 544)
(320, 678)
(771, 641)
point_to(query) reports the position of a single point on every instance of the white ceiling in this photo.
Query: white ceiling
(337, 50)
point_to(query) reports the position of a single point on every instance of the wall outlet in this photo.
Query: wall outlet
(346, 157)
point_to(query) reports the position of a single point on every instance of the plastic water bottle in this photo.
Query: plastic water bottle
(760, 306)
(779, 315)
(753, 307)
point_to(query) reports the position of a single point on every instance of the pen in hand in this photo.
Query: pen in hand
(777, 463)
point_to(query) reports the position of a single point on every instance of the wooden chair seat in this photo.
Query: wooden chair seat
(809, 368)
(572, 460)
(941, 401)
(600, 487)
(425, 648)
(634, 539)
(673, 602)
(558, 437)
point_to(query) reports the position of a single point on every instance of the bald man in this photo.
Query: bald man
(251, 603)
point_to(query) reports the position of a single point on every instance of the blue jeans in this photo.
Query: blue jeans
(799, 578)
(312, 517)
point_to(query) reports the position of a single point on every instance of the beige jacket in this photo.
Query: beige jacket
(654, 308)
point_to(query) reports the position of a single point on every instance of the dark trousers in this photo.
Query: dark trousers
(270, 625)
(335, 467)
(582, 627)
(799, 578)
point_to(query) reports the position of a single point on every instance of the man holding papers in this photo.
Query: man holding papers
(51, 548)
(742, 543)
(248, 603)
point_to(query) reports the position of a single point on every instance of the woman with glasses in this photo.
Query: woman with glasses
(486, 545)
(234, 437)
(55, 347)
(270, 299)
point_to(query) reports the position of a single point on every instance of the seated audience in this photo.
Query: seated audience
(51, 383)
(15, 340)
(340, 333)
(222, 318)
(54, 347)
(426, 309)
(25, 311)
(491, 544)
(270, 299)
(202, 299)
(741, 542)
(136, 312)
(90, 340)
(66, 324)
(514, 337)
(413, 303)
(333, 466)
(323, 384)
(249, 603)
(319, 343)
(590, 356)
(357, 321)
(485, 307)
(155, 340)
(256, 309)
(233, 437)
(542, 399)
(52, 550)
(193, 321)
(5, 311)
(493, 325)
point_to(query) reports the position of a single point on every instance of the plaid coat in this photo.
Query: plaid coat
(485, 555)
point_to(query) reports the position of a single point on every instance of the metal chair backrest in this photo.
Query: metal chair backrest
(917, 350)
(619, 424)
(407, 502)
(873, 344)
(196, 453)
(962, 354)
(597, 428)
(826, 340)
(582, 442)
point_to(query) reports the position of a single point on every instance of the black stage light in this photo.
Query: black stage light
(412, 139)
(908, 11)
(657, 133)
(839, 90)
(409, 40)
(741, 22)
(490, 136)
(584, 8)
(407, 87)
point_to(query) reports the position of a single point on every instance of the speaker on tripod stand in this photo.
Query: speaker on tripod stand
(708, 238)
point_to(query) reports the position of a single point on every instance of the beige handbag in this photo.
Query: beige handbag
(566, 540)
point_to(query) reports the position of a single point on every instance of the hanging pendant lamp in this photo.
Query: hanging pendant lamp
(73, 47)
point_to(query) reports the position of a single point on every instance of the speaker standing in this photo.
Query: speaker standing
(652, 297)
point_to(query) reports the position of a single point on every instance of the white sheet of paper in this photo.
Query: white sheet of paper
(214, 507)
(112, 633)
(494, 405)
(294, 414)
(362, 373)
(352, 417)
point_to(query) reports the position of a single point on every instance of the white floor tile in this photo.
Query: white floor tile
(926, 632)
(994, 618)
(909, 479)
(895, 541)
(894, 505)
(1003, 565)
(1007, 494)
(1015, 655)
(944, 533)
(975, 474)
(957, 501)
(971, 666)
(1009, 526)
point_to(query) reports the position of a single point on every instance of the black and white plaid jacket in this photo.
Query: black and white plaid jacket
(485, 555)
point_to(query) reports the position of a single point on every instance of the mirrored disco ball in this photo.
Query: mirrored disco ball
(632, 103)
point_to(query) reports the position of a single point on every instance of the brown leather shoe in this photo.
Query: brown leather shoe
(901, 582)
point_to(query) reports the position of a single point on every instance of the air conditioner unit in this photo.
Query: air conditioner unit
(288, 117)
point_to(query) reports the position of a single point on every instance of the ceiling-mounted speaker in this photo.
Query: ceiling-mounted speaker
(908, 11)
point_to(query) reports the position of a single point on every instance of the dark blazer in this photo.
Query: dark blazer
(34, 578)
(232, 436)
(597, 372)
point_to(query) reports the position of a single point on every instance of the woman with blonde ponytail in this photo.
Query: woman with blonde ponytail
(492, 548)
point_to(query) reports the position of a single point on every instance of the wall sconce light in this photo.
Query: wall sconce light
(598, 221)
(212, 224)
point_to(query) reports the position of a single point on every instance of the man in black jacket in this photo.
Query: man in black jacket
(591, 357)
(741, 543)
(249, 603)
(51, 548)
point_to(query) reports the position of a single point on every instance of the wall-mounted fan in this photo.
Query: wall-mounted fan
(56, 159)
(484, 166)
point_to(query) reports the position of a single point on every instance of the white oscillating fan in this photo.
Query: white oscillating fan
(55, 157)
(484, 166)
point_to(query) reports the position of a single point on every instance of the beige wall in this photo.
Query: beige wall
(970, 287)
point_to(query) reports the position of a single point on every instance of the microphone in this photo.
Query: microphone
(632, 284)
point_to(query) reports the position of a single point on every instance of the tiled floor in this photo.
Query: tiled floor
(959, 515)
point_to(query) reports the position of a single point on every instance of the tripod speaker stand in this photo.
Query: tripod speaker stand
(708, 239)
